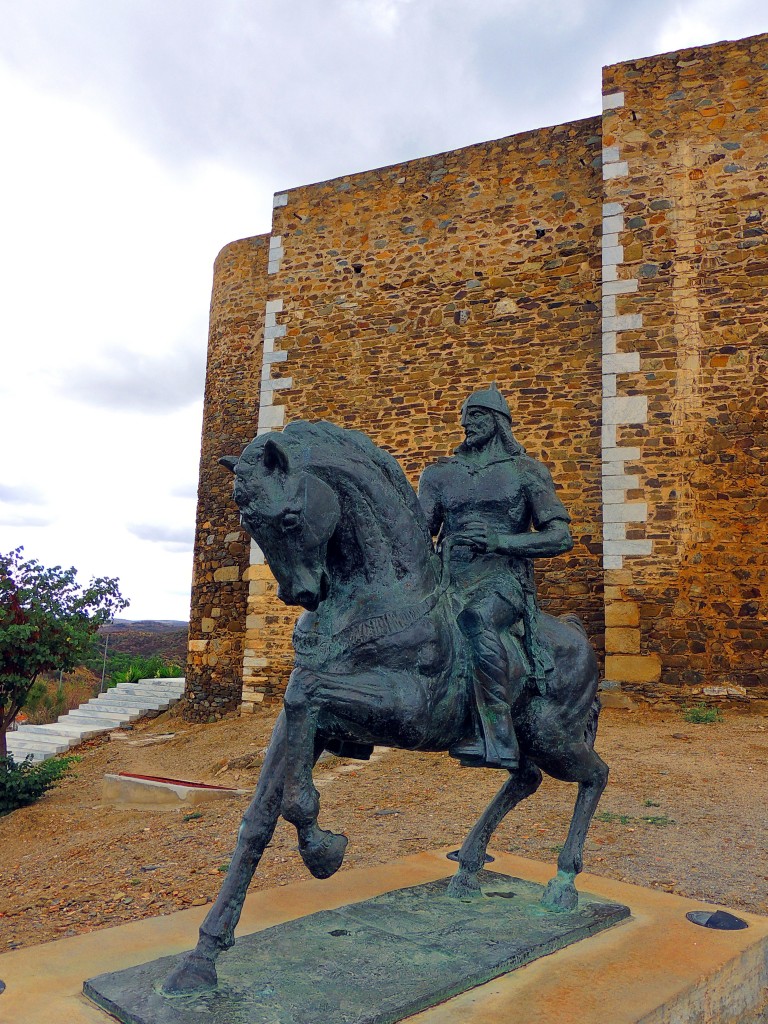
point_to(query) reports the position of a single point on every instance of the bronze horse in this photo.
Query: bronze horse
(380, 660)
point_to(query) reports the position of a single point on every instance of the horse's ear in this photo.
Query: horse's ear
(275, 457)
(230, 461)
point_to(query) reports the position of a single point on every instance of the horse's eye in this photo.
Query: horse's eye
(290, 520)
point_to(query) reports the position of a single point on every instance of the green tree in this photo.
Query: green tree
(47, 622)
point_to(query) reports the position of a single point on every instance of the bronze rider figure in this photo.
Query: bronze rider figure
(492, 509)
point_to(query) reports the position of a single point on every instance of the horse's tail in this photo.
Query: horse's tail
(590, 730)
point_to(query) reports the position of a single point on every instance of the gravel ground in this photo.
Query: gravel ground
(684, 811)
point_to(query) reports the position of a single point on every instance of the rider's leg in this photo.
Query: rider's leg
(519, 785)
(481, 622)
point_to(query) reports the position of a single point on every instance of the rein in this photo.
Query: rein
(375, 628)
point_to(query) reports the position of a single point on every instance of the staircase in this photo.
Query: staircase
(112, 709)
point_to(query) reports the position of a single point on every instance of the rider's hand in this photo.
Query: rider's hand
(479, 536)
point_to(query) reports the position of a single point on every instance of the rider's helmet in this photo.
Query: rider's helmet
(490, 398)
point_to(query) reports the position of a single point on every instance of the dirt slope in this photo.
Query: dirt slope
(685, 811)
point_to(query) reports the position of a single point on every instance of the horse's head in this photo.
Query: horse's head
(291, 514)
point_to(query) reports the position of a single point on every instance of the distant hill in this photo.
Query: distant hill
(166, 637)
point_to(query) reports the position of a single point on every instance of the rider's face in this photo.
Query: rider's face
(479, 427)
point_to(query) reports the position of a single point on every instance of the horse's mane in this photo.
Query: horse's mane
(340, 455)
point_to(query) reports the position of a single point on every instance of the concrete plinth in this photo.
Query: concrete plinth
(656, 968)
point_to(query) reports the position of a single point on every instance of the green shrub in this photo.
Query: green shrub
(139, 667)
(700, 714)
(24, 783)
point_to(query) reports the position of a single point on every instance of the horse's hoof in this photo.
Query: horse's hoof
(324, 857)
(560, 894)
(195, 973)
(464, 886)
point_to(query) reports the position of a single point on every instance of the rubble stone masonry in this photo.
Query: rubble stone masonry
(611, 275)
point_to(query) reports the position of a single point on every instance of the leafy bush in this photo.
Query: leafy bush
(700, 714)
(132, 669)
(24, 783)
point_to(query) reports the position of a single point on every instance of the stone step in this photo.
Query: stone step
(117, 706)
(21, 754)
(72, 732)
(108, 720)
(129, 711)
(49, 747)
(150, 702)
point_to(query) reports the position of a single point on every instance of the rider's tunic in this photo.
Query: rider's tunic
(510, 494)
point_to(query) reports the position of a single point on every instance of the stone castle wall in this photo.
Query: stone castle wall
(687, 135)
(222, 549)
(610, 275)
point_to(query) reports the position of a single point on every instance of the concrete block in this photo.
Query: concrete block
(613, 255)
(609, 240)
(625, 409)
(274, 306)
(133, 791)
(625, 286)
(272, 417)
(622, 454)
(279, 199)
(628, 547)
(609, 385)
(612, 496)
(626, 322)
(621, 362)
(276, 242)
(256, 555)
(612, 561)
(610, 272)
(275, 357)
(614, 531)
(609, 343)
(608, 435)
(619, 170)
(609, 305)
(611, 209)
(632, 512)
(273, 266)
(616, 221)
(278, 331)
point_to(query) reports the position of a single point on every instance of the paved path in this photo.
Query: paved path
(116, 707)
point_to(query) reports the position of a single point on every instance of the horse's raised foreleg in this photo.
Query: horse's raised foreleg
(520, 784)
(197, 970)
(578, 763)
(322, 852)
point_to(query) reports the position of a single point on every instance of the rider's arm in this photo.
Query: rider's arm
(429, 499)
(550, 538)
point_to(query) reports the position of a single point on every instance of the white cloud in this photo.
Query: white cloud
(141, 137)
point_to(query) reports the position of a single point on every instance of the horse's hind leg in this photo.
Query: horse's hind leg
(197, 971)
(520, 784)
(576, 763)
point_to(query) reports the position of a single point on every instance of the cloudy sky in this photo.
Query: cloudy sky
(139, 136)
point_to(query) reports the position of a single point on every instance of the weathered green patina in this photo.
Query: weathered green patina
(374, 962)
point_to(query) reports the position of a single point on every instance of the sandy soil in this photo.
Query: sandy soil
(685, 811)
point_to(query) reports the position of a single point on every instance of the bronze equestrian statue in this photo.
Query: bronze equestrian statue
(408, 645)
